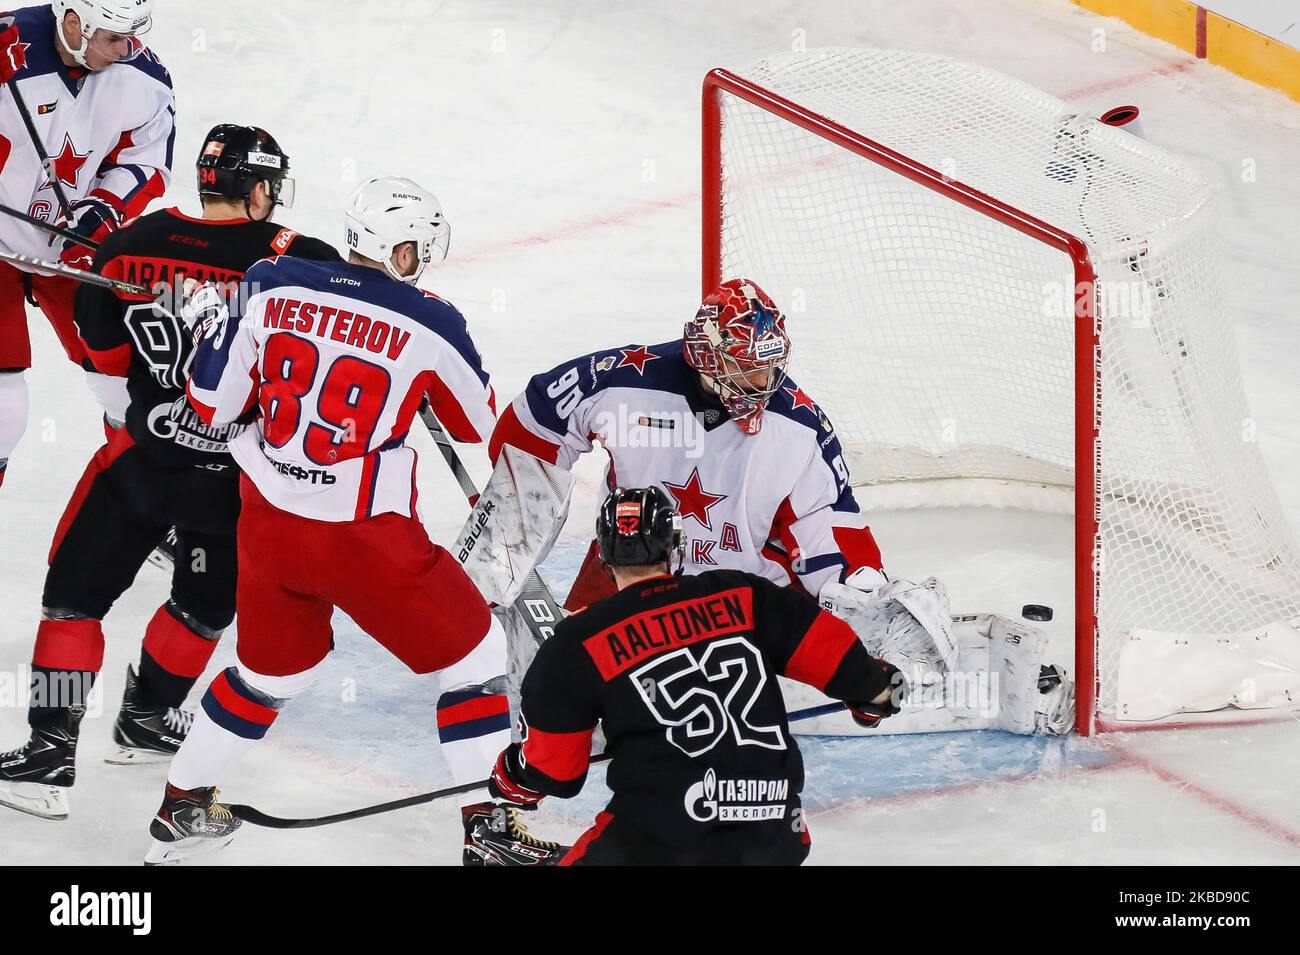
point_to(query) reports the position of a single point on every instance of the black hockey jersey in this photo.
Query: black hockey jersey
(681, 672)
(161, 251)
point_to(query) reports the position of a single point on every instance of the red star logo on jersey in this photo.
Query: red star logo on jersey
(693, 500)
(67, 164)
(799, 399)
(18, 54)
(637, 358)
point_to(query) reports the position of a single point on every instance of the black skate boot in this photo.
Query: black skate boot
(35, 778)
(495, 836)
(191, 822)
(145, 732)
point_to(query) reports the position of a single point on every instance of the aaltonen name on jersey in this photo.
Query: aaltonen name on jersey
(677, 624)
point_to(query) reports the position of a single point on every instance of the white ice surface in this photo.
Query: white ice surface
(563, 140)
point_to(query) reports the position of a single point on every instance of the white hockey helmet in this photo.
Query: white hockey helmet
(128, 17)
(386, 212)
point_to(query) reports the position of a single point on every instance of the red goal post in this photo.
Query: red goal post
(721, 83)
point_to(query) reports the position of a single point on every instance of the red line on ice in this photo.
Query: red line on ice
(1218, 801)
(1120, 82)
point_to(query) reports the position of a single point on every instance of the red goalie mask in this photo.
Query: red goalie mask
(737, 342)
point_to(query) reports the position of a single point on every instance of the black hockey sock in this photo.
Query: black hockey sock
(54, 691)
(157, 687)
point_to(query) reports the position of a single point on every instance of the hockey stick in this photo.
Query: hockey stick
(47, 227)
(535, 604)
(78, 275)
(256, 817)
(44, 156)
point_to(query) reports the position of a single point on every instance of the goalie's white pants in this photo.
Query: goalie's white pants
(240, 706)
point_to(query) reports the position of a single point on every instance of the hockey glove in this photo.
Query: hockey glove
(502, 784)
(869, 715)
(96, 218)
(13, 52)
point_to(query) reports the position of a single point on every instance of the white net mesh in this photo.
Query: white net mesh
(940, 341)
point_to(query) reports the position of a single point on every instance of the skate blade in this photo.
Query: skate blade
(47, 802)
(174, 853)
(130, 756)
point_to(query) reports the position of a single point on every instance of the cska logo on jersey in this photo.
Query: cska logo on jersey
(67, 164)
(693, 500)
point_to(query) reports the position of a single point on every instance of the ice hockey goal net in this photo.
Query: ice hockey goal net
(985, 286)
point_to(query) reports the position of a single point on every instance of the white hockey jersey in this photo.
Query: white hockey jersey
(776, 503)
(109, 133)
(332, 361)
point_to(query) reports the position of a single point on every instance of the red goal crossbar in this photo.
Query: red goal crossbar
(1087, 342)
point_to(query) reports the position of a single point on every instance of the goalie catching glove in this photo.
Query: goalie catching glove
(900, 621)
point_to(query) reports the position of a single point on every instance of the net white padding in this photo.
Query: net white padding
(940, 342)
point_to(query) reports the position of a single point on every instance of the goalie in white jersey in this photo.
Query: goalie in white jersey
(756, 472)
(329, 362)
(103, 110)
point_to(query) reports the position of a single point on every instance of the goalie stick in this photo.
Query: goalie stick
(535, 604)
(256, 817)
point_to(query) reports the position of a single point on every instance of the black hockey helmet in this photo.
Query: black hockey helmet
(234, 158)
(638, 525)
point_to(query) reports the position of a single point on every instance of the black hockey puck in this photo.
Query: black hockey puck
(1036, 612)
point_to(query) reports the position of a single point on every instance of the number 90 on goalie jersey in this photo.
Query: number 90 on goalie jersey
(331, 361)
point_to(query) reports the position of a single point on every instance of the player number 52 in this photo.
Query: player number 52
(701, 701)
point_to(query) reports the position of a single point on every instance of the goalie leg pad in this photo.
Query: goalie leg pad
(514, 524)
(1008, 656)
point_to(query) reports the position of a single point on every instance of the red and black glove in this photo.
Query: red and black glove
(504, 785)
(869, 715)
(13, 51)
(96, 218)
